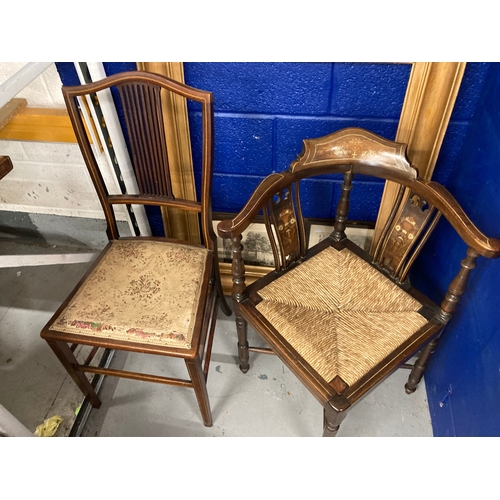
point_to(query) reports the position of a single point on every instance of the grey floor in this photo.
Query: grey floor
(266, 401)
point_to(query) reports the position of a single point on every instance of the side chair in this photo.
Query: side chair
(340, 318)
(144, 294)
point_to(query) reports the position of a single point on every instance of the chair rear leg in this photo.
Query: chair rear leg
(419, 367)
(224, 306)
(242, 330)
(200, 388)
(69, 361)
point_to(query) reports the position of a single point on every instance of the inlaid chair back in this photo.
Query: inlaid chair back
(340, 318)
(155, 295)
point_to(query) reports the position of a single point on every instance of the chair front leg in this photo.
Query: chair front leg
(242, 329)
(331, 422)
(69, 361)
(239, 293)
(334, 413)
(200, 389)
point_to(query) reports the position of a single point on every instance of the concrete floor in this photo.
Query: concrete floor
(266, 401)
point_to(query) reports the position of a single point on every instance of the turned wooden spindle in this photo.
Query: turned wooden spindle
(458, 285)
(239, 293)
(343, 208)
(448, 306)
(238, 269)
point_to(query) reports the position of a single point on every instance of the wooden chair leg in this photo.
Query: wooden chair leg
(69, 361)
(242, 328)
(200, 388)
(419, 367)
(331, 421)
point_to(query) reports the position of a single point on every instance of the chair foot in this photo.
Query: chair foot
(330, 431)
(244, 370)
(224, 306)
(419, 367)
(408, 390)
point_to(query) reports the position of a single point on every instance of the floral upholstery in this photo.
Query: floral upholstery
(335, 306)
(142, 291)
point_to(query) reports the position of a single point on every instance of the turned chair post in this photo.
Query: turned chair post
(343, 207)
(448, 306)
(458, 285)
(239, 293)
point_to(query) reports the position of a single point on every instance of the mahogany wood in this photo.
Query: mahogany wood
(5, 166)
(354, 152)
(141, 94)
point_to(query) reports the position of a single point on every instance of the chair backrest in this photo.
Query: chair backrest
(138, 96)
(354, 151)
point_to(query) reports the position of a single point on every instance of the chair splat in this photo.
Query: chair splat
(407, 232)
(285, 226)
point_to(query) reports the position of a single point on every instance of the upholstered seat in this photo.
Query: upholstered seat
(334, 306)
(140, 291)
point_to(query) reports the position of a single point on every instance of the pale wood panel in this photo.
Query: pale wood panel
(39, 124)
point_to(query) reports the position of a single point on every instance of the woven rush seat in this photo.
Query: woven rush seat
(334, 307)
(142, 291)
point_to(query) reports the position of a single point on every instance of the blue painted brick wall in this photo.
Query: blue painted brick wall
(265, 110)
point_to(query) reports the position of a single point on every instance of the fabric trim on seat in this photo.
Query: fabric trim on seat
(141, 291)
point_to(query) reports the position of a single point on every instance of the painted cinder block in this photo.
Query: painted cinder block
(273, 88)
(470, 90)
(231, 192)
(318, 198)
(450, 148)
(242, 144)
(375, 90)
(365, 199)
(467, 101)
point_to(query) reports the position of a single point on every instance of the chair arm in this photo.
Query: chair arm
(231, 228)
(450, 208)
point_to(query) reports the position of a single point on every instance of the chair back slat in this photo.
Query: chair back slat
(144, 118)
